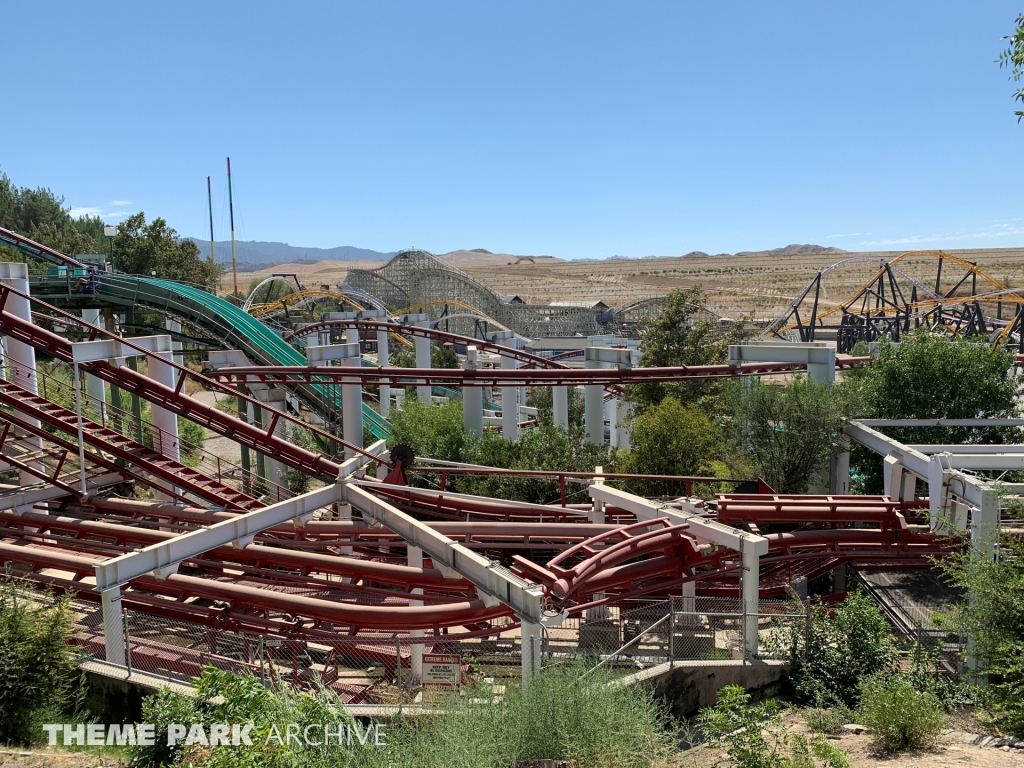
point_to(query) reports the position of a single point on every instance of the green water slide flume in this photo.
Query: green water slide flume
(229, 323)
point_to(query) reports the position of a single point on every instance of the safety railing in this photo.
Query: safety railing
(58, 389)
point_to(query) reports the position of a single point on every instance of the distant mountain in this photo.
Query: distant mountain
(259, 252)
(793, 250)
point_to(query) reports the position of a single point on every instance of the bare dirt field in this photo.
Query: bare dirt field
(759, 284)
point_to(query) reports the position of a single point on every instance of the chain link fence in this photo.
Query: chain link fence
(386, 668)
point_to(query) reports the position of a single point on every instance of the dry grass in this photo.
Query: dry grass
(757, 284)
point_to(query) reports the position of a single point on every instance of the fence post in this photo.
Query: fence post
(672, 633)
(398, 665)
(127, 640)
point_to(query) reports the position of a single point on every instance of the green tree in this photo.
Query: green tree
(672, 439)
(932, 376)
(141, 248)
(994, 620)
(37, 663)
(545, 447)
(685, 333)
(1013, 59)
(443, 357)
(789, 432)
(41, 215)
(431, 431)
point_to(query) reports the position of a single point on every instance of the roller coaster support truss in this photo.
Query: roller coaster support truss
(705, 531)
(884, 307)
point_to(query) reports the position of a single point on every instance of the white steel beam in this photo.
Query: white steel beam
(704, 530)
(942, 422)
(164, 558)
(108, 349)
(494, 583)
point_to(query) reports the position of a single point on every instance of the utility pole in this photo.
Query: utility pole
(209, 201)
(231, 208)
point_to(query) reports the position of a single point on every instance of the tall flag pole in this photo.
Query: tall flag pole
(231, 207)
(209, 200)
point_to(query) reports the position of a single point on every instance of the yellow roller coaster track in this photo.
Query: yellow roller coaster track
(450, 303)
(259, 310)
(262, 310)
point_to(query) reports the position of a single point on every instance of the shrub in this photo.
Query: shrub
(828, 721)
(224, 697)
(898, 715)
(754, 736)
(564, 715)
(38, 679)
(833, 648)
(161, 709)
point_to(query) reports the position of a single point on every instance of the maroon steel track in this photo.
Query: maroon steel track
(105, 440)
(498, 377)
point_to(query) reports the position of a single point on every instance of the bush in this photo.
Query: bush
(161, 709)
(754, 736)
(224, 697)
(38, 677)
(828, 721)
(898, 715)
(833, 648)
(564, 715)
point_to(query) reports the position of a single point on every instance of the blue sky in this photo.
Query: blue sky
(579, 130)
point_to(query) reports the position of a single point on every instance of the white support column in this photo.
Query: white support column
(113, 626)
(620, 425)
(610, 409)
(383, 357)
(840, 479)
(21, 357)
(596, 514)
(560, 407)
(750, 586)
(421, 347)
(472, 398)
(593, 394)
(985, 520)
(509, 403)
(414, 559)
(95, 388)
(174, 327)
(352, 404)
(345, 515)
(351, 389)
(165, 436)
(276, 399)
(509, 395)
(593, 408)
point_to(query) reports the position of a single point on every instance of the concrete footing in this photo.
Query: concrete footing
(688, 686)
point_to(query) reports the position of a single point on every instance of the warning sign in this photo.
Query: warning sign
(441, 671)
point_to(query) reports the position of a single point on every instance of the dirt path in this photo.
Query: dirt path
(948, 752)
